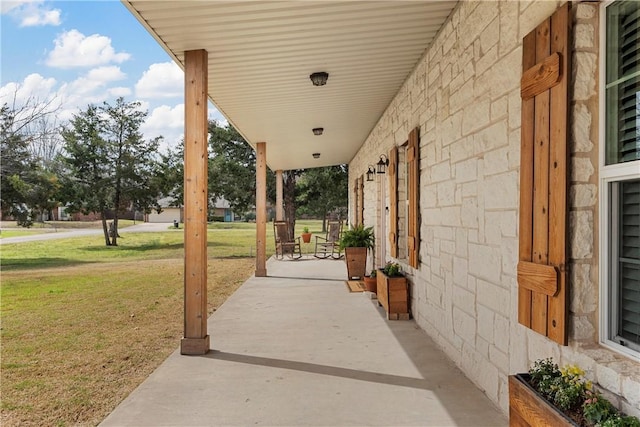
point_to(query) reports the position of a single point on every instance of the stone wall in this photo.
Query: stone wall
(465, 96)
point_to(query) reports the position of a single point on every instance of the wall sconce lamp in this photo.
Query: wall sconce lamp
(371, 173)
(319, 79)
(316, 155)
(382, 163)
(318, 131)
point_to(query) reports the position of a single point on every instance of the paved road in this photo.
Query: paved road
(51, 235)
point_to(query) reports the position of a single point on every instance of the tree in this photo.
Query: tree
(32, 119)
(109, 166)
(27, 146)
(290, 178)
(16, 164)
(232, 169)
(170, 174)
(322, 191)
(42, 193)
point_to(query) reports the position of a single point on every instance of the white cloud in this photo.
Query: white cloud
(34, 95)
(92, 87)
(162, 80)
(72, 97)
(111, 73)
(74, 49)
(34, 87)
(96, 86)
(7, 6)
(165, 121)
(214, 114)
(116, 92)
(31, 13)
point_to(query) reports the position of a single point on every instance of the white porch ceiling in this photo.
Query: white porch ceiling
(261, 54)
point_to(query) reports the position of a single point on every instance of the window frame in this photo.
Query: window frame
(608, 174)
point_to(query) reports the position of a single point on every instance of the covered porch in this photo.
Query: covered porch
(297, 348)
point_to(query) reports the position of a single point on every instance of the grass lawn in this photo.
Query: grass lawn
(84, 324)
(15, 232)
(11, 229)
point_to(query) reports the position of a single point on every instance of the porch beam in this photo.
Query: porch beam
(279, 203)
(261, 209)
(196, 339)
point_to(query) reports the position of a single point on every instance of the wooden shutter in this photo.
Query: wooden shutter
(360, 191)
(413, 166)
(356, 202)
(393, 201)
(543, 268)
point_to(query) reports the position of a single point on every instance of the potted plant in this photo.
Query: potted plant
(547, 395)
(393, 291)
(370, 281)
(355, 242)
(306, 236)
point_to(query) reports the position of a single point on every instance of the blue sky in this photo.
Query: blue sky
(81, 52)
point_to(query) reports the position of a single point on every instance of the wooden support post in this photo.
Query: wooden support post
(261, 209)
(196, 339)
(279, 204)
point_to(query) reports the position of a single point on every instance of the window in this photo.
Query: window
(620, 174)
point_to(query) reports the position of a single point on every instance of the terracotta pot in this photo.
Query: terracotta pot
(370, 283)
(306, 237)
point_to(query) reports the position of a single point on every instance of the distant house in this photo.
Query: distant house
(168, 213)
(221, 212)
(61, 214)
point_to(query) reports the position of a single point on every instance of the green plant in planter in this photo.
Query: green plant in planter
(597, 409)
(373, 273)
(392, 269)
(357, 237)
(567, 390)
(305, 230)
(562, 387)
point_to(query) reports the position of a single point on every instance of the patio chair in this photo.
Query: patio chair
(329, 246)
(285, 244)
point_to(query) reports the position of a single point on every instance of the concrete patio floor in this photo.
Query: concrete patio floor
(298, 349)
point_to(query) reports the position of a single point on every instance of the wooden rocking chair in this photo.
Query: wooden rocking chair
(329, 246)
(285, 244)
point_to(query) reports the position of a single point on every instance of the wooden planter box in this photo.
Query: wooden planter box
(393, 295)
(356, 259)
(528, 408)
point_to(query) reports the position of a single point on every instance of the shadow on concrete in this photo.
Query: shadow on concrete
(334, 371)
(306, 279)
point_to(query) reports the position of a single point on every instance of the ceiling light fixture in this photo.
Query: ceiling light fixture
(316, 155)
(319, 78)
(318, 131)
